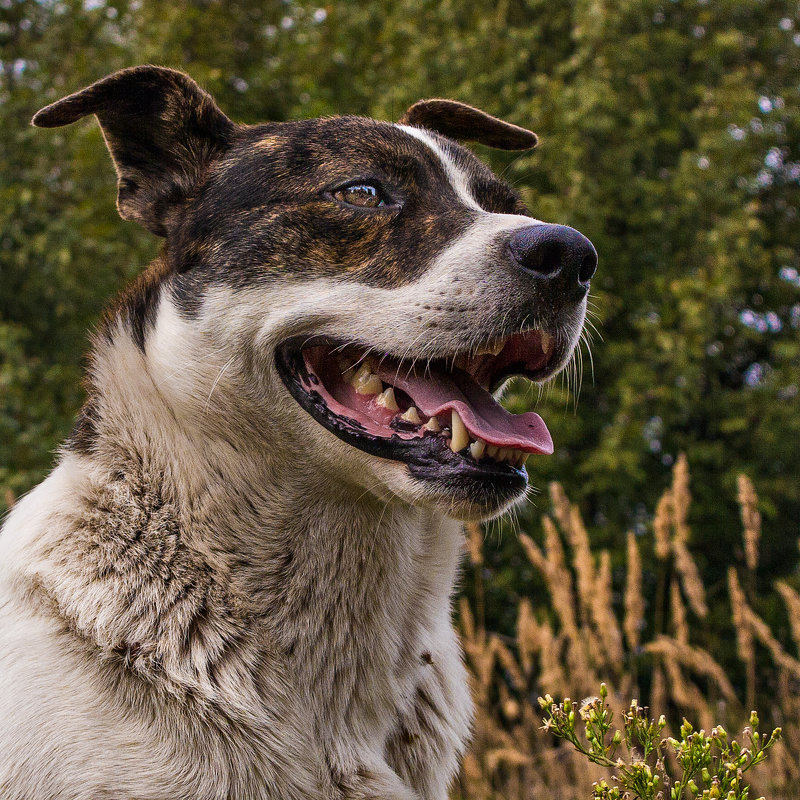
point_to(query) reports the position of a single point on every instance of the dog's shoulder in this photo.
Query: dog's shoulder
(126, 660)
(104, 554)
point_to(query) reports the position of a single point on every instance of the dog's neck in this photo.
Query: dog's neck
(265, 539)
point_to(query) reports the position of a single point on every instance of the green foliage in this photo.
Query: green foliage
(705, 766)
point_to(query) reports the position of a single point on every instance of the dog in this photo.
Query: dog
(237, 581)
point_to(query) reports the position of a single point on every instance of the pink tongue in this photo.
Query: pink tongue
(481, 414)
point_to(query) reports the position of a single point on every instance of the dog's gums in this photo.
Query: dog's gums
(420, 412)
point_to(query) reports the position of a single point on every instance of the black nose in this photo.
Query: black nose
(554, 250)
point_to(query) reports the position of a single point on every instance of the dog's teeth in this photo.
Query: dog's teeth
(460, 436)
(491, 450)
(547, 343)
(387, 399)
(412, 415)
(476, 449)
(431, 425)
(365, 382)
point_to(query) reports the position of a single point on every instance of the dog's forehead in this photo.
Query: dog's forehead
(310, 148)
(266, 207)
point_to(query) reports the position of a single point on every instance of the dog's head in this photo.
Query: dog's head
(369, 280)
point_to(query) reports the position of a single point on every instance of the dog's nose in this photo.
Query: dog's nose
(554, 251)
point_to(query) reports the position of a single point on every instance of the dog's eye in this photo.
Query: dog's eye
(363, 195)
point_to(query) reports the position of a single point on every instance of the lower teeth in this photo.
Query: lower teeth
(365, 382)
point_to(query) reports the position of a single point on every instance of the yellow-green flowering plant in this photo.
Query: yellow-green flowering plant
(709, 766)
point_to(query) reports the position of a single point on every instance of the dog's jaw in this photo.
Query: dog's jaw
(217, 368)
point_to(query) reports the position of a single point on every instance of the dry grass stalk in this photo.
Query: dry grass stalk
(634, 601)
(678, 613)
(751, 520)
(475, 543)
(9, 499)
(744, 636)
(555, 572)
(694, 659)
(551, 663)
(603, 610)
(681, 498)
(762, 632)
(534, 553)
(690, 577)
(745, 644)
(528, 636)
(505, 755)
(745, 617)
(792, 600)
(686, 695)
(582, 562)
(570, 522)
(662, 524)
(658, 690)
(508, 662)
(555, 550)
(562, 508)
(672, 512)
(468, 633)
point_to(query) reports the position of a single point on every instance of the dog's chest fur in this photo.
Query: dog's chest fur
(319, 661)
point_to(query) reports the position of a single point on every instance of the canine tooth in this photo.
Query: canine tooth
(476, 448)
(460, 436)
(367, 383)
(431, 425)
(547, 343)
(387, 399)
(412, 415)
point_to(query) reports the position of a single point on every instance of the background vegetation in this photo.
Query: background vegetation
(670, 135)
(583, 634)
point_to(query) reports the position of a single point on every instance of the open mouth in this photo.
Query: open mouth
(438, 416)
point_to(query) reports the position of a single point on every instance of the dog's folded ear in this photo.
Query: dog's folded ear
(162, 130)
(465, 123)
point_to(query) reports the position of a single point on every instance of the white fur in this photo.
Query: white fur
(457, 177)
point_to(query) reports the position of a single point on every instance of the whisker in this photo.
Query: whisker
(217, 380)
